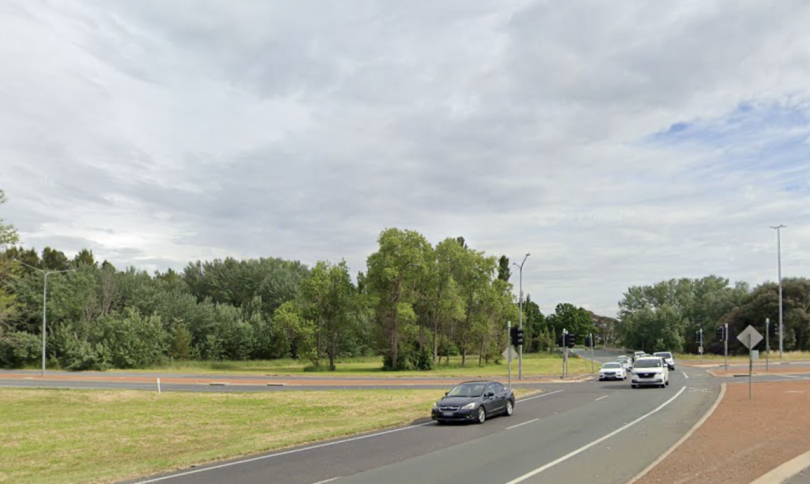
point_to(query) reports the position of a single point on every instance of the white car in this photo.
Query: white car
(638, 354)
(650, 371)
(626, 363)
(612, 371)
(667, 356)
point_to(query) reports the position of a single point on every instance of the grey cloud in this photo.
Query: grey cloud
(168, 132)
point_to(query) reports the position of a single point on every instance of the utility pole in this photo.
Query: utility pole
(44, 304)
(520, 321)
(778, 229)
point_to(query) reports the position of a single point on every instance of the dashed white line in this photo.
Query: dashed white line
(685, 375)
(539, 396)
(523, 423)
(595, 442)
(603, 396)
(328, 480)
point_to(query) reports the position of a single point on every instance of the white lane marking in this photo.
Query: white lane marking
(539, 396)
(793, 376)
(328, 480)
(685, 375)
(294, 451)
(603, 396)
(595, 442)
(524, 423)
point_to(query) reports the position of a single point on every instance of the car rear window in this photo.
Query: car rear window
(651, 363)
(611, 365)
(664, 354)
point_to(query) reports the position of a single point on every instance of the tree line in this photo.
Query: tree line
(415, 305)
(667, 316)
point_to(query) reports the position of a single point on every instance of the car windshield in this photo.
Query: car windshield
(611, 365)
(467, 390)
(664, 354)
(651, 363)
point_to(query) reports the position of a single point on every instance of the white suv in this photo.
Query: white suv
(667, 356)
(650, 371)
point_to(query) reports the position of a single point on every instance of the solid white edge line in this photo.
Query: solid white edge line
(685, 375)
(523, 423)
(685, 436)
(521, 400)
(294, 451)
(317, 446)
(603, 396)
(595, 442)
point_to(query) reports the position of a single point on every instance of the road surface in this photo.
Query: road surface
(602, 432)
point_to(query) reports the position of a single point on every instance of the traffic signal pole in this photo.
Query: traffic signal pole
(509, 359)
(591, 336)
(767, 344)
(700, 349)
(725, 338)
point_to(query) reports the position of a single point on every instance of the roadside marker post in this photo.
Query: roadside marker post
(158, 382)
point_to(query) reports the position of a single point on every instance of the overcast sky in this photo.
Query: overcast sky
(621, 143)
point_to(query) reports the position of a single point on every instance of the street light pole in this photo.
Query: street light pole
(520, 321)
(44, 304)
(778, 229)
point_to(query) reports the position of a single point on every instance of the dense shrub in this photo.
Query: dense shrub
(18, 349)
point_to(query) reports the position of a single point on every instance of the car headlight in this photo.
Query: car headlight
(436, 406)
(469, 406)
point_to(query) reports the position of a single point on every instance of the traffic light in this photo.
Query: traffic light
(721, 333)
(570, 340)
(518, 339)
(589, 341)
(772, 329)
(516, 334)
(697, 336)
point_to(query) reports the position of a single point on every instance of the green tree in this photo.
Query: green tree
(576, 321)
(474, 273)
(504, 273)
(393, 273)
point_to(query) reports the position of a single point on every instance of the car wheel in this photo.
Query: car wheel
(510, 407)
(440, 422)
(667, 382)
(482, 415)
(634, 386)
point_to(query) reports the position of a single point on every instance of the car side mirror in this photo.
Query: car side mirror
(446, 393)
(489, 394)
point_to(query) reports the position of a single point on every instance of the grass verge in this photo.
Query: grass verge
(533, 365)
(99, 436)
(788, 356)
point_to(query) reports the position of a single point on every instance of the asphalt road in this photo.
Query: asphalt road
(602, 432)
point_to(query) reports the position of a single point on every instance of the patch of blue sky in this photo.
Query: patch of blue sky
(771, 140)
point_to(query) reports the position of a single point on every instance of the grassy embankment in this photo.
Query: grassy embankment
(533, 365)
(67, 436)
(712, 358)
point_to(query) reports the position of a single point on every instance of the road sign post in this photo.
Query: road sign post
(750, 337)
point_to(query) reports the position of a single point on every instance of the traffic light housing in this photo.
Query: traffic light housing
(772, 329)
(517, 336)
(570, 340)
(721, 333)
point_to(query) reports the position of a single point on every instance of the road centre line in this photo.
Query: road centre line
(603, 396)
(523, 423)
(294, 451)
(595, 442)
(685, 375)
